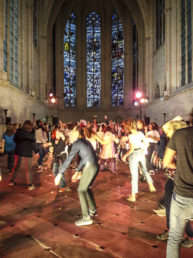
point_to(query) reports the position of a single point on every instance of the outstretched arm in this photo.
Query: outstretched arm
(169, 158)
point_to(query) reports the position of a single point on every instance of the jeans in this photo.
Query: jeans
(28, 168)
(84, 189)
(137, 158)
(56, 166)
(152, 147)
(181, 211)
(41, 150)
(10, 159)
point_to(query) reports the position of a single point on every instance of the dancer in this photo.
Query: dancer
(89, 167)
(25, 145)
(138, 146)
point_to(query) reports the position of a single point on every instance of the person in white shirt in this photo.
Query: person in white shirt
(138, 146)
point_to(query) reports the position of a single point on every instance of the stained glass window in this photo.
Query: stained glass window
(135, 56)
(93, 45)
(34, 23)
(189, 40)
(160, 22)
(186, 42)
(5, 39)
(16, 41)
(11, 40)
(183, 49)
(117, 61)
(70, 62)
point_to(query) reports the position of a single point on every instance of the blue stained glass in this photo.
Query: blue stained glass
(11, 40)
(16, 40)
(70, 62)
(93, 60)
(5, 40)
(117, 61)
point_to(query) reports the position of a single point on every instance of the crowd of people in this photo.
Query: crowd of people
(93, 147)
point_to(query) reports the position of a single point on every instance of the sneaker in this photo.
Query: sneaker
(93, 213)
(31, 187)
(187, 242)
(163, 236)
(65, 189)
(131, 199)
(85, 221)
(2, 223)
(11, 183)
(151, 172)
(151, 188)
(160, 212)
(40, 169)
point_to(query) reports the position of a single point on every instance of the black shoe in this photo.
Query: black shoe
(143, 179)
(163, 236)
(187, 242)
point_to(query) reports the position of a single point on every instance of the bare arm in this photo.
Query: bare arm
(168, 160)
(131, 149)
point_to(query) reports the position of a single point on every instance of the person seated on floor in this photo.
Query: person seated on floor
(89, 167)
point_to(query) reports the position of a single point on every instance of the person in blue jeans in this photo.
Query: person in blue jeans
(9, 143)
(88, 166)
(181, 211)
(138, 147)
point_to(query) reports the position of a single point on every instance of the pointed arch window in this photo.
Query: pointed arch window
(93, 59)
(70, 62)
(5, 39)
(117, 61)
(186, 42)
(160, 23)
(135, 55)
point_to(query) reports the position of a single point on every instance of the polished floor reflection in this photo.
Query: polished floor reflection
(40, 223)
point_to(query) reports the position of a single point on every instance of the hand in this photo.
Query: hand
(57, 179)
(123, 158)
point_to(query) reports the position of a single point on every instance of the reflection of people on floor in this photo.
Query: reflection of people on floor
(89, 167)
(138, 146)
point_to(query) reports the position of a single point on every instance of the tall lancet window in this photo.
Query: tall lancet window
(135, 56)
(93, 46)
(11, 38)
(5, 37)
(186, 42)
(70, 62)
(16, 41)
(117, 61)
(13, 8)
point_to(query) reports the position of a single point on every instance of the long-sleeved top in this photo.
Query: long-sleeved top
(24, 143)
(84, 149)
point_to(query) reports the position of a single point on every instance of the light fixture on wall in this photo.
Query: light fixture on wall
(140, 100)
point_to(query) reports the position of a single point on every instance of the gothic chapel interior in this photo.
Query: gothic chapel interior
(93, 56)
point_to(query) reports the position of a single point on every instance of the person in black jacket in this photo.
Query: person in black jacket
(59, 154)
(25, 145)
